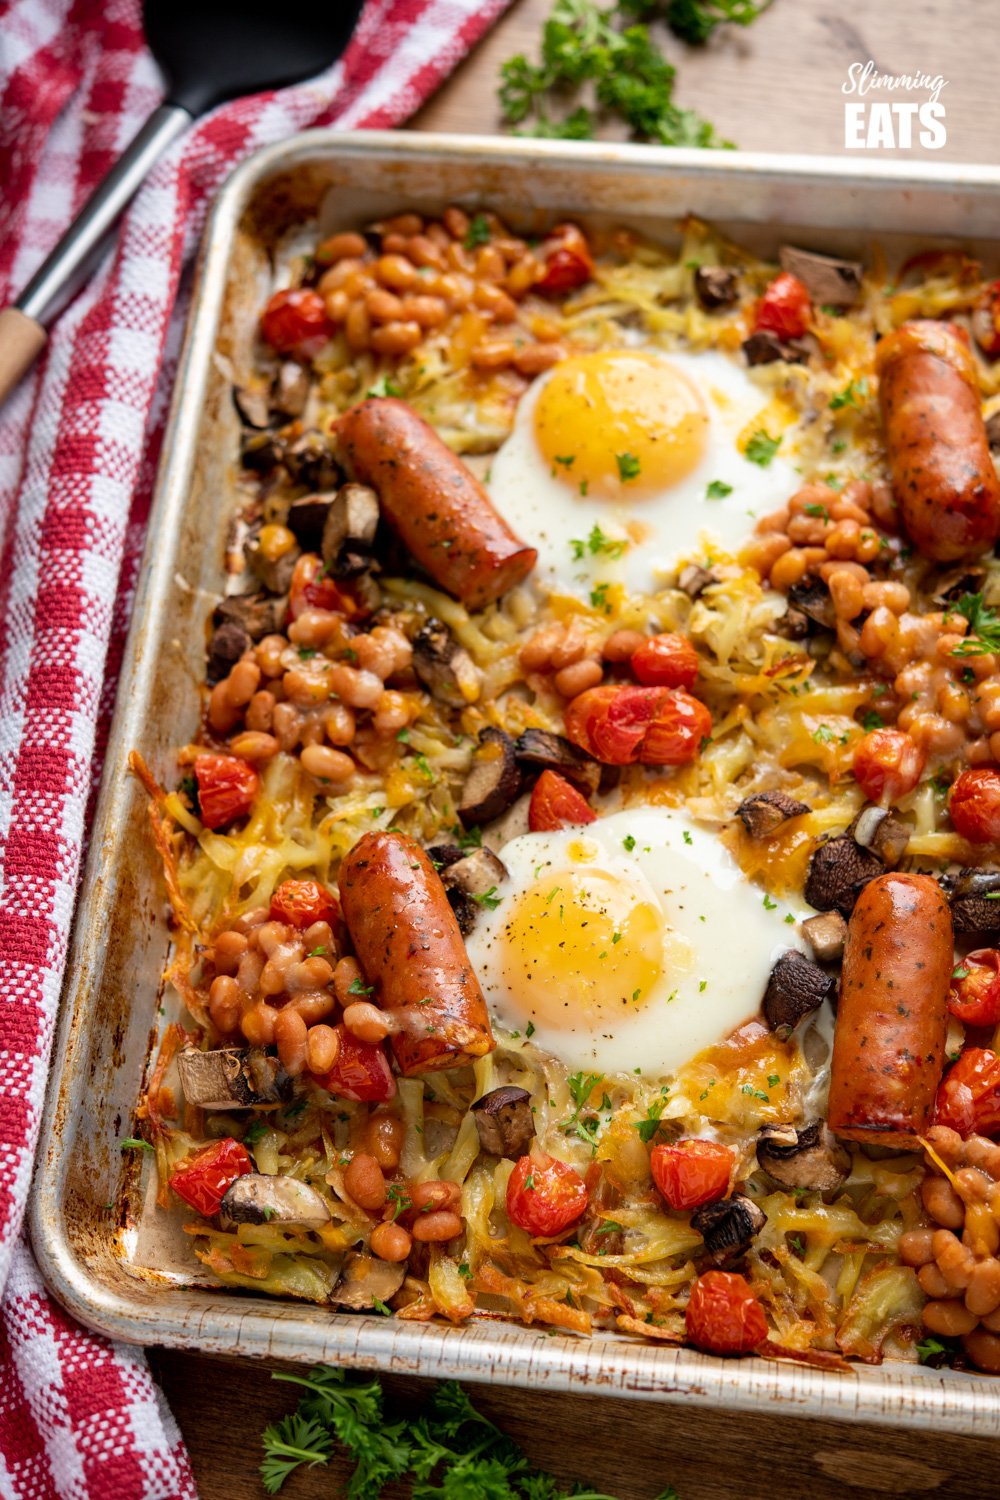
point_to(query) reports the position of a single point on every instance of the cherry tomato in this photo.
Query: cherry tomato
(361, 1072)
(691, 1172)
(985, 321)
(974, 998)
(968, 1099)
(974, 806)
(545, 1196)
(677, 733)
(567, 261)
(723, 1315)
(203, 1178)
(227, 787)
(610, 722)
(666, 661)
(295, 322)
(784, 308)
(887, 765)
(313, 588)
(303, 902)
(556, 804)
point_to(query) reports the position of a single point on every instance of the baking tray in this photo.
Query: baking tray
(128, 1272)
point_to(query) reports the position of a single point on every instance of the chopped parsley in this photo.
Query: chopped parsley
(488, 899)
(931, 1352)
(872, 720)
(529, 1030)
(628, 842)
(598, 544)
(384, 386)
(853, 394)
(628, 466)
(984, 627)
(769, 905)
(478, 232)
(818, 511)
(599, 598)
(319, 952)
(465, 1271)
(718, 489)
(133, 1143)
(357, 986)
(398, 1198)
(650, 1124)
(761, 448)
(256, 1131)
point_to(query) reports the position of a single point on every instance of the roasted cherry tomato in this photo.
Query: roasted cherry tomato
(610, 722)
(666, 661)
(361, 1072)
(226, 788)
(691, 1172)
(985, 321)
(313, 588)
(723, 1315)
(556, 804)
(676, 735)
(784, 308)
(545, 1196)
(566, 260)
(303, 902)
(975, 988)
(203, 1178)
(295, 322)
(974, 806)
(968, 1099)
(887, 765)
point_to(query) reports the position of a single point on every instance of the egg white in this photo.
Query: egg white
(549, 513)
(721, 935)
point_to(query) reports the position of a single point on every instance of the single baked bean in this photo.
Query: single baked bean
(574, 642)
(290, 1040)
(340, 246)
(455, 288)
(879, 633)
(490, 264)
(338, 724)
(318, 935)
(271, 935)
(312, 1006)
(384, 1137)
(254, 746)
(358, 689)
(223, 713)
(884, 507)
(270, 653)
(621, 645)
(955, 1261)
(364, 1181)
(534, 358)
(808, 528)
(427, 1196)
(984, 1350)
(981, 1234)
(391, 713)
(942, 1202)
(366, 1022)
(536, 653)
(322, 1048)
(382, 651)
(522, 276)
(578, 677)
(346, 974)
(337, 304)
(992, 1321)
(251, 920)
(306, 686)
(243, 681)
(933, 1282)
(249, 972)
(259, 711)
(229, 948)
(845, 590)
(949, 1318)
(408, 224)
(493, 300)
(311, 973)
(337, 276)
(456, 221)
(435, 1228)
(397, 273)
(383, 306)
(423, 251)
(327, 764)
(914, 1247)
(395, 244)
(460, 259)
(777, 520)
(788, 570)
(224, 1002)
(316, 627)
(438, 234)
(396, 338)
(287, 725)
(357, 327)
(894, 596)
(257, 1025)
(390, 1242)
(763, 552)
(493, 354)
(982, 1295)
(947, 1143)
(427, 312)
(312, 731)
(984, 1154)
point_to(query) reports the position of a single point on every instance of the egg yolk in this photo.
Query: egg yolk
(620, 425)
(582, 948)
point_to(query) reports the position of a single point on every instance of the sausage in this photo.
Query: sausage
(888, 1049)
(435, 504)
(939, 456)
(409, 946)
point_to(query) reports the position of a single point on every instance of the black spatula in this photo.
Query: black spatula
(210, 51)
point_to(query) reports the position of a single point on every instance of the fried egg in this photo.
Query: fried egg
(622, 460)
(628, 945)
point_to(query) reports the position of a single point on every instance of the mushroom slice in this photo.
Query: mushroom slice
(540, 749)
(837, 871)
(253, 406)
(307, 517)
(228, 643)
(693, 580)
(812, 598)
(349, 532)
(494, 781)
(796, 987)
(310, 461)
(716, 286)
(974, 898)
(830, 282)
(291, 389)
(766, 348)
(365, 1281)
(261, 452)
(808, 1158)
(232, 1078)
(274, 573)
(826, 936)
(258, 614)
(475, 873)
(504, 1121)
(765, 812)
(258, 1198)
(728, 1226)
(879, 830)
(444, 667)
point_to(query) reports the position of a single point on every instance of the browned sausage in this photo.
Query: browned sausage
(888, 1050)
(939, 456)
(438, 508)
(408, 944)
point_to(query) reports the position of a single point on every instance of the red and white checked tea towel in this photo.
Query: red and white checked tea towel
(79, 1417)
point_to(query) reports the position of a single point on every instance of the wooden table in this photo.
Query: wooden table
(775, 86)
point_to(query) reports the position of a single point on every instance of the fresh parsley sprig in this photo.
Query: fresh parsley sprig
(984, 627)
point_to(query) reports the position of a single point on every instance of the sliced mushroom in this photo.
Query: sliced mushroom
(494, 780)
(764, 813)
(716, 286)
(228, 643)
(262, 452)
(766, 348)
(812, 597)
(232, 1078)
(879, 830)
(728, 1227)
(444, 855)
(275, 573)
(808, 1158)
(253, 406)
(959, 581)
(830, 281)
(504, 1121)
(539, 749)
(826, 935)
(475, 873)
(310, 461)
(444, 667)
(796, 987)
(291, 389)
(258, 1198)
(974, 898)
(307, 517)
(837, 871)
(794, 624)
(349, 532)
(510, 825)
(258, 614)
(365, 1281)
(693, 580)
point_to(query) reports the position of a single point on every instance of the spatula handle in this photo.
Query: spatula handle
(67, 267)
